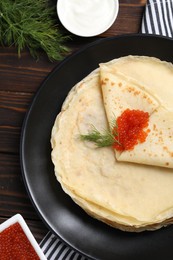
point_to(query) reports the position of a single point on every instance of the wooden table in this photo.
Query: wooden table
(19, 81)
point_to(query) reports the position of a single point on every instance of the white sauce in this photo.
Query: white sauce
(87, 17)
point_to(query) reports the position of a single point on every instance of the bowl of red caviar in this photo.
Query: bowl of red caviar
(17, 241)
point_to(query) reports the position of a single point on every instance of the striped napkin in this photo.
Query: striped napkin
(54, 248)
(157, 19)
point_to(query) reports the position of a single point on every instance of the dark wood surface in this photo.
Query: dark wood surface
(19, 81)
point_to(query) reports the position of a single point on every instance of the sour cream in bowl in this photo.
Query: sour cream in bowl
(87, 18)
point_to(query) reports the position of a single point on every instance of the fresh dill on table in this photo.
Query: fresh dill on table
(32, 24)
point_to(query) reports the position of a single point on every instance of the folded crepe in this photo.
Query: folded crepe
(121, 93)
(128, 196)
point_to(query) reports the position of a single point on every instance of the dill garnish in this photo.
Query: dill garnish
(107, 138)
(33, 25)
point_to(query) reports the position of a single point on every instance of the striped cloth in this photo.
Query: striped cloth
(157, 19)
(55, 249)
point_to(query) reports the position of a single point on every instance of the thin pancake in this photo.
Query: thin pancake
(137, 196)
(121, 93)
(158, 147)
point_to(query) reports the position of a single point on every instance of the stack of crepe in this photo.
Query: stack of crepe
(131, 190)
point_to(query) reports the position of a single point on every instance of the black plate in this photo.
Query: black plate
(60, 213)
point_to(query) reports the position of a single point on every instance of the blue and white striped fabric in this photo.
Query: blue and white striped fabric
(157, 19)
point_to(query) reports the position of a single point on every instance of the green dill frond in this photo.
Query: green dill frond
(31, 24)
(100, 139)
(107, 138)
(114, 129)
(113, 124)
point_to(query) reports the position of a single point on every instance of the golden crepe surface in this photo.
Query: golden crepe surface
(121, 93)
(129, 196)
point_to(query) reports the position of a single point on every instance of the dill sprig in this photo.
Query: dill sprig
(33, 25)
(107, 138)
(100, 139)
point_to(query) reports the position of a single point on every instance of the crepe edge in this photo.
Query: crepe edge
(127, 228)
(66, 104)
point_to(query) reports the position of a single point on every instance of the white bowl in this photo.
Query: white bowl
(87, 18)
(18, 218)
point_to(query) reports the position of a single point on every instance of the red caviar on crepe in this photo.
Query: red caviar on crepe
(126, 132)
(120, 169)
(121, 92)
(130, 126)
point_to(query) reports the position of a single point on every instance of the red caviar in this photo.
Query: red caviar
(130, 128)
(14, 244)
